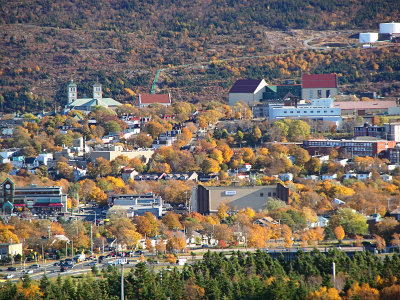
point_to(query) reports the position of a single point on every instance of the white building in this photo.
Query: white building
(319, 109)
(368, 37)
(249, 91)
(315, 86)
(389, 28)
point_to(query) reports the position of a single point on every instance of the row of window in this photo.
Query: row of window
(305, 112)
(319, 93)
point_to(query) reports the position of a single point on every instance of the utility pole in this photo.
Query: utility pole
(49, 230)
(91, 238)
(333, 273)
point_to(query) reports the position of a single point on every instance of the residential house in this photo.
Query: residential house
(32, 162)
(364, 175)
(128, 173)
(395, 214)
(321, 222)
(329, 176)
(152, 176)
(18, 161)
(44, 158)
(386, 177)
(245, 168)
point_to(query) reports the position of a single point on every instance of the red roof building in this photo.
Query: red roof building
(316, 86)
(148, 99)
(313, 81)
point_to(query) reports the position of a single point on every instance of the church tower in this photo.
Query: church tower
(97, 94)
(72, 92)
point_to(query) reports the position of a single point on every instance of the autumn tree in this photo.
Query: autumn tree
(171, 220)
(287, 235)
(351, 221)
(222, 212)
(362, 292)
(7, 234)
(379, 242)
(124, 230)
(339, 233)
(324, 293)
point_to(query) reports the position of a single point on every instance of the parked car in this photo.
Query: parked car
(29, 272)
(9, 276)
(11, 269)
(92, 263)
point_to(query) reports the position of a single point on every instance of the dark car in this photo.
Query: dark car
(101, 258)
(65, 268)
(11, 269)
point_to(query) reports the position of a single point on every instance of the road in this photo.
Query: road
(79, 268)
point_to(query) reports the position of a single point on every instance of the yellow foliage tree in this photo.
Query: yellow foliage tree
(7, 234)
(222, 212)
(362, 292)
(339, 233)
(324, 294)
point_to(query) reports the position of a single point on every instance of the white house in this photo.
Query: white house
(364, 175)
(249, 91)
(321, 222)
(44, 158)
(387, 177)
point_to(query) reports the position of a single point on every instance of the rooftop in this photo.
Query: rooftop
(379, 104)
(310, 81)
(245, 85)
(154, 98)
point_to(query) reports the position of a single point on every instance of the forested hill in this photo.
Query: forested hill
(45, 43)
(225, 16)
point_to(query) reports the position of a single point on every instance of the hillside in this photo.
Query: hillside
(46, 43)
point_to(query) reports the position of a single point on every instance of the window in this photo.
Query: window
(269, 194)
(261, 194)
(328, 93)
(319, 93)
(311, 94)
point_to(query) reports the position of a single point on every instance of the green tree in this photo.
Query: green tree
(351, 221)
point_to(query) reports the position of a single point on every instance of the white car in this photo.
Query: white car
(10, 276)
(29, 272)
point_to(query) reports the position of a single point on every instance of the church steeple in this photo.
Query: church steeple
(72, 92)
(97, 93)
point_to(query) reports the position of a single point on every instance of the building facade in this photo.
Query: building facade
(87, 104)
(207, 199)
(318, 109)
(389, 131)
(249, 91)
(314, 86)
(35, 198)
(135, 204)
(351, 147)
